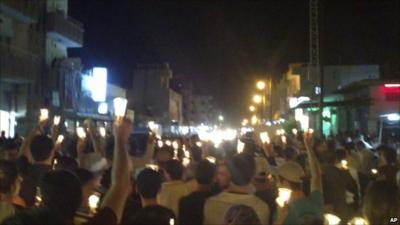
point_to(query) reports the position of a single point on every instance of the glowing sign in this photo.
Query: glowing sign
(99, 84)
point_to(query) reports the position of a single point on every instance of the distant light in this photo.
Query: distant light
(392, 85)
(99, 86)
(393, 117)
(260, 85)
(103, 108)
(268, 123)
(245, 122)
(332, 219)
(252, 108)
(254, 120)
(220, 118)
(317, 90)
(257, 99)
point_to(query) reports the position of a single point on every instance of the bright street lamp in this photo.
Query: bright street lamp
(260, 85)
(220, 118)
(252, 108)
(257, 99)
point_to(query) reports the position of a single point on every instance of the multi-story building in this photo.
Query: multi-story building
(21, 61)
(302, 92)
(202, 110)
(35, 70)
(151, 95)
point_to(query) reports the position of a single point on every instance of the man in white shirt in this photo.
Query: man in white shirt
(242, 169)
(174, 188)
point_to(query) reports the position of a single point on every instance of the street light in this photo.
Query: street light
(260, 85)
(220, 118)
(252, 108)
(257, 99)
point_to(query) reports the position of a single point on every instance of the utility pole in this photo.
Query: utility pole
(315, 68)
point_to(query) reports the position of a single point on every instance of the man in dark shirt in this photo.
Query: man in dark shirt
(191, 207)
(42, 151)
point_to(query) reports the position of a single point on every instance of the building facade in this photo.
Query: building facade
(151, 96)
(35, 70)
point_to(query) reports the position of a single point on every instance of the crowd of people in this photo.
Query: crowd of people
(93, 178)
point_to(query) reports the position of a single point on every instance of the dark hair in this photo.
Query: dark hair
(174, 168)
(33, 216)
(329, 157)
(241, 215)
(205, 172)
(153, 215)
(66, 163)
(148, 183)
(241, 168)
(195, 153)
(61, 191)
(8, 175)
(389, 153)
(289, 153)
(84, 175)
(41, 147)
(381, 201)
(9, 144)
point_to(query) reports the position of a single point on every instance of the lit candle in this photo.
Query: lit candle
(60, 139)
(331, 219)
(264, 137)
(283, 196)
(44, 114)
(102, 131)
(120, 106)
(81, 132)
(56, 120)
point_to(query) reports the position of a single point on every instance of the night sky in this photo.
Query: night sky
(225, 45)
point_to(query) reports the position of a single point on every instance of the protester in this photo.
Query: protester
(154, 215)
(241, 215)
(191, 207)
(9, 150)
(381, 203)
(174, 188)
(223, 177)
(41, 149)
(302, 209)
(242, 169)
(336, 182)
(148, 185)
(10, 183)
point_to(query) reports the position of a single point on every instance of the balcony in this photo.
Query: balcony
(18, 65)
(21, 10)
(64, 29)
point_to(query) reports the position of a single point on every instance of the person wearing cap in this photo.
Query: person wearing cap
(301, 209)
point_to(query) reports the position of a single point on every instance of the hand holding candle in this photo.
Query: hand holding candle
(283, 196)
(120, 106)
(44, 114)
(81, 132)
(56, 120)
(264, 137)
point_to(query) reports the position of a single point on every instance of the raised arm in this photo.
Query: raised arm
(116, 196)
(142, 161)
(25, 148)
(315, 167)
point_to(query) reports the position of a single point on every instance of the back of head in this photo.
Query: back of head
(242, 168)
(84, 175)
(153, 215)
(205, 172)
(381, 201)
(329, 157)
(34, 216)
(41, 148)
(388, 153)
(148, 183)
(61, 191)
(174, 168)
(8, 176)
(241, 215)
(66, 163)
(289, 153)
